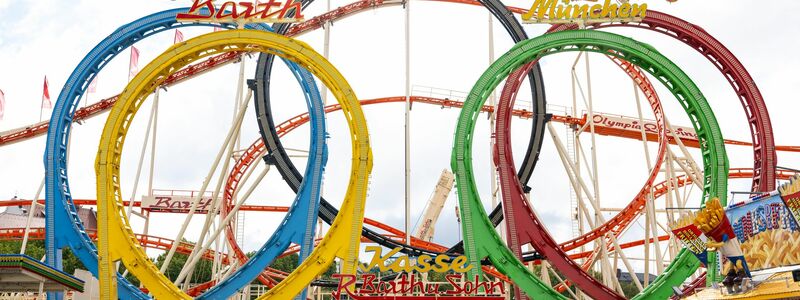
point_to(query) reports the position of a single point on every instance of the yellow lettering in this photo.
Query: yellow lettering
(610, 10)
(460, 265)
(639, 11)
(441, 264)
(423, 263)
(536, 5)
(539, 8)
(595, 11)
(562, 12)
(377, 259)
(625, 10)
(396, 265)
(555, 10)
(551, 8)
(580, 12)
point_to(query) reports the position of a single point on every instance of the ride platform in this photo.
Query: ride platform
(778, 285)
(22, 273)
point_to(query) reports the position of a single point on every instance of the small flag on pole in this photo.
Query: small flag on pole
(178, 37)
(46, 95)
(133, 67)
(93, 85)
(2, 104)
(217, 29)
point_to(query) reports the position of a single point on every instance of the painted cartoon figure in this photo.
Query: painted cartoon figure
(713, 222)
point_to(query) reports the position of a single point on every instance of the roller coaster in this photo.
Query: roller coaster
(509, 244)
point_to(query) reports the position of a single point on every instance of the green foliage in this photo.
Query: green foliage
(290, 262)
(201, 273)
(629, 289)
(36, 250)
(287, 263)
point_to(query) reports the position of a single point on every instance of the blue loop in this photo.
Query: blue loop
(60, 209)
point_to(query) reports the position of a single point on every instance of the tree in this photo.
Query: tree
(290, 262)
(201, 273)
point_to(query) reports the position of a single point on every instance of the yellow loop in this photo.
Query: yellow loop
(116, 240)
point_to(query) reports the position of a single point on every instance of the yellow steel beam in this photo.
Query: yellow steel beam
(116, 240)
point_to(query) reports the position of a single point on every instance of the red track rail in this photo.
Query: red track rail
(736, 74)
(659, 190)
(264, 208)
(536, 234)
(522, 224)
(21, 134)
(718, 54)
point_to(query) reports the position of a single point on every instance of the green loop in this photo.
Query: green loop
(481, 239)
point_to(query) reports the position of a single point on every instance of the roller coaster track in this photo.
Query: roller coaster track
(753, 121)
(731, 68)
(66, 131)
(299, 224)
(155, 242)
(734, 72)
(13, 136)
(737, 76)
(113, 227)
(522, 224)
(344, 11)
(531, 154)
(660, 189)
(289, 171)
(480, 238)
(358, 6)
(60, 209)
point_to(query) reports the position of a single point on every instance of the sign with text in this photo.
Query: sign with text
(767, 231)
(175, 203)
(410, 284)
(633, 125)
(583, 11)
(270, 11)
(790, 193)
(694, 240)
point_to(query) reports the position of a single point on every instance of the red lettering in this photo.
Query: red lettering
(287, 9)
(162, 202)
(203, 205)
(345, 281)
(225, 12)
(243, 11)
(196, 6)
(432, 288)
(368, 286)
(469, 287)
(265, 14)
(248, 10)
(497, 285)
(453, 279)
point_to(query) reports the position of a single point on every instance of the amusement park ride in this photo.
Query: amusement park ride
(696, 246)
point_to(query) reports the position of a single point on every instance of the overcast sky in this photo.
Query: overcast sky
(449, 50)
